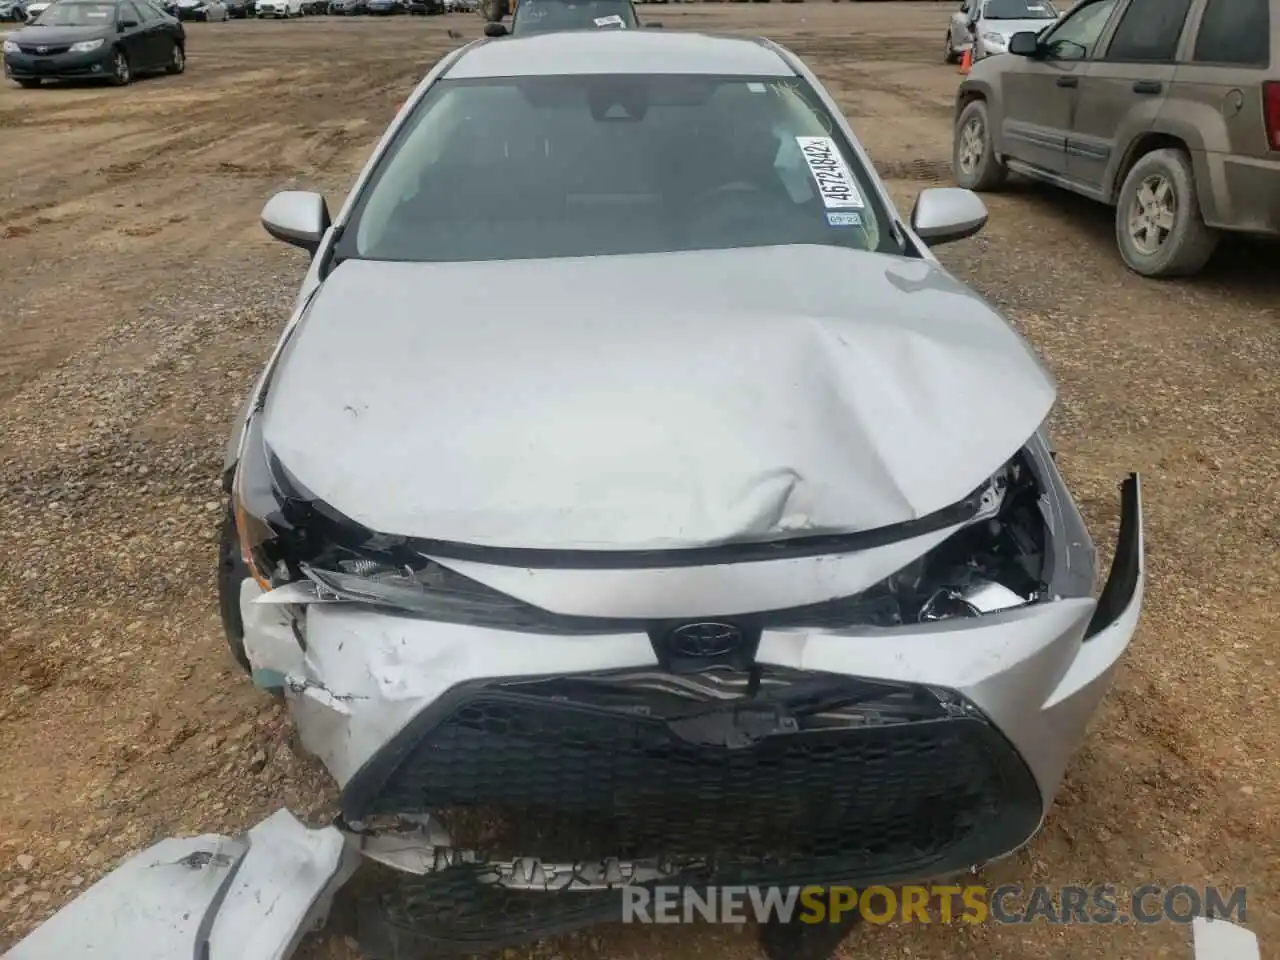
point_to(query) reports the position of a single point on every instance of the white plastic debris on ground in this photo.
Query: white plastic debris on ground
(255, 897)
(1220, 940)
(249, 898)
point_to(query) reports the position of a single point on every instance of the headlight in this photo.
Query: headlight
(10, 47)
(84, 46)
(286, 535)
(436, 593)
(993, 39)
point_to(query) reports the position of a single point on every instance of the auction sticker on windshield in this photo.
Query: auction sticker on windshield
(613, 21)
(830, 172)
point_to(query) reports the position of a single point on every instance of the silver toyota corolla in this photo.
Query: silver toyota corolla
(633, 497)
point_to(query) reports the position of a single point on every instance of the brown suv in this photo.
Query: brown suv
(1168, 110)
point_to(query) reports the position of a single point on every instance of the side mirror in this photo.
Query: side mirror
(944, 214)
(298, 217)
(1024, 43)
(495, 29)
(653, 26)
(123, 25)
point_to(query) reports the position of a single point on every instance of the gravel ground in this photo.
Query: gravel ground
(140, 298)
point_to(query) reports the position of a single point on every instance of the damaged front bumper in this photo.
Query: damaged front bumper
(499, 766)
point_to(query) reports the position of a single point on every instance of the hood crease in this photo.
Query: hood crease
(654, 401)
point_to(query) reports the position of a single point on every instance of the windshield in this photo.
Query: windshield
(569, 166)
(68, 13)
(546, 16)
(1019, 10)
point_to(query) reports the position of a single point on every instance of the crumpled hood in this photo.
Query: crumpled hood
(651, 401)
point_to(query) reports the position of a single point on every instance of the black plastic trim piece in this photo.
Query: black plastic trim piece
(1126, 566)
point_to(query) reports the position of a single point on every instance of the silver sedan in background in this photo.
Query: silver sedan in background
(985, 26)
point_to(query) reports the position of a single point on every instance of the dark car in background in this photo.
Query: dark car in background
(202, 10)
(384, 8)
(111, 40)
(425, 7)
(239, 9)
(552, 16)
(343, 8)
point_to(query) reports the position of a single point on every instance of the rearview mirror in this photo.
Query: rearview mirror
(123, 25)
(944, 214)
(495, 29)
(298, 217)
(1024, 43)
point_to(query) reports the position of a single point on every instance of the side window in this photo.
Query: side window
(130, 12)
(1235, 32)
(1076, 36)
(1149, 31)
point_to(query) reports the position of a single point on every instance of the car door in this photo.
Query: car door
(153, 34)
(132, 29)
(164, 31)
(1039, 93)
(1124, 87)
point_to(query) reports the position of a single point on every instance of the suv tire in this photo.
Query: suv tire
(1159, 229)
(973, 157)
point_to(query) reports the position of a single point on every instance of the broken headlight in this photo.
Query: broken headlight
(431, 591)
(286, 535)
(278, 523)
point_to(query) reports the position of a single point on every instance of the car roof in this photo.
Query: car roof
(619, 51)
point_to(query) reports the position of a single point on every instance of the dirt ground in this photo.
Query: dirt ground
(139, 296)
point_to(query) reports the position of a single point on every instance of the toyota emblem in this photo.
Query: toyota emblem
(706, 639)
(42, 49)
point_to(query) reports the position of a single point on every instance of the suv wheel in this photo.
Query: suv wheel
(973, 159)
(1159, 228)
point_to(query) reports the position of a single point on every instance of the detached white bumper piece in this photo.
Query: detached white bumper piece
(248, 898)
(1221, 940)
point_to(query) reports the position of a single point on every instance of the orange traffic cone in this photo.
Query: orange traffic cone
(966, 62)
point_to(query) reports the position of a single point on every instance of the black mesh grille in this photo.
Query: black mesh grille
(455, 912)
(836, 780)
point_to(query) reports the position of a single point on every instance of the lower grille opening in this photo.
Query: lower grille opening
(772, 777)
